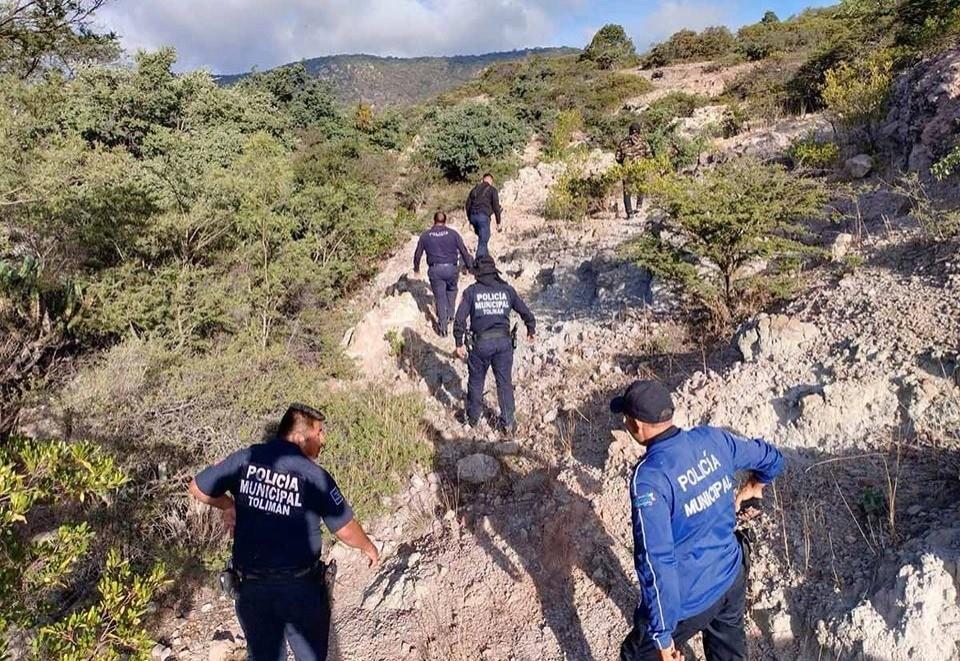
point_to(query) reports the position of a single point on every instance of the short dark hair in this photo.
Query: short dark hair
(440, 217)
(487, 175)
(295, 416)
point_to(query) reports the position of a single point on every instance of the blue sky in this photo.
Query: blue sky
(237, 35)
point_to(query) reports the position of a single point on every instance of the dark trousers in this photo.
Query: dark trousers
(724, 638)
(443, 282)
(628, 200)
(295, 610)
(481, 225)
(496, 353)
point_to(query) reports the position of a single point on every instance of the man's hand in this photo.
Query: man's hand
(462, 353)
(531, 338)
(373, 555)
(671, 654)
(229, 518)
(752, 488)
(416, 274)
(499, 227)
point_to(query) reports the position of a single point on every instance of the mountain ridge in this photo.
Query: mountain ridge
(399, 81)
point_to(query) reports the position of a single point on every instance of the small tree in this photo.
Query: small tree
(738, 212)
(610, 48)
(34, 569)
(363, 118)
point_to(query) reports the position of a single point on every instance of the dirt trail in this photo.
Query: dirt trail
(854, 379)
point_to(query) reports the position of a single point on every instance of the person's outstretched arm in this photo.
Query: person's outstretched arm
(497, 209)
(353, 535)
(417, 255)
(756, 455)
(521, 308)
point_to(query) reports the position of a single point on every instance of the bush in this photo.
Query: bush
(856, 93)
(762, 91)
(812, 153)
(35, 570)
(466, 136)
(688, 46)
(947, 165)
(610, 48)
(736, 213)
(567, 123)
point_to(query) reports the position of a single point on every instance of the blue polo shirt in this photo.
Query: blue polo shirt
(282, 497)
(682, 502)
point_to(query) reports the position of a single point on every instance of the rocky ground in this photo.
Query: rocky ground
(520, 548)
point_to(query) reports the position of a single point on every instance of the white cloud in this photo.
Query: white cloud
(230, 36)
(670, 16)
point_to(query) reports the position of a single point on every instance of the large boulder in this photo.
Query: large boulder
(478, 468)
(774, 336)
(859, 166)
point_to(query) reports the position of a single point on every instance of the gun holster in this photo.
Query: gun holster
(230, 581)
(513, 335)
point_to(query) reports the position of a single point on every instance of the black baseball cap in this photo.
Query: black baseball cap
(646, 401)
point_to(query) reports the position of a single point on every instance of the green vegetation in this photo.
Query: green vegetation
(57, 483)
(942, 169)
(688, 46)
(467, 136)
(856, 94)
(610, 48)
(812, 153)
(721, 222)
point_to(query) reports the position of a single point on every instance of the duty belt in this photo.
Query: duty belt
(282, 574)
(492, 334)
(444, 264)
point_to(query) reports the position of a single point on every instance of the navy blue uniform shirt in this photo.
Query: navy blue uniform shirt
(281, 497)
(488, 306)
(682, 504)
(485, 199)
(442, 245)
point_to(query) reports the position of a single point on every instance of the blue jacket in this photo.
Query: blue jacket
(682, 502)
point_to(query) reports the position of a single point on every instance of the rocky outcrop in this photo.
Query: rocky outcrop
(774, 337)
(922, 124)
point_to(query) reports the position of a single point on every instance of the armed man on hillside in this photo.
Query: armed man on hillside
(487, 304)
(691, 564)
(483, 203)
(443, 247)
(632, 148)
(277, 499)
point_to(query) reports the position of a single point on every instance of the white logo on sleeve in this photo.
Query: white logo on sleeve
(337, 497)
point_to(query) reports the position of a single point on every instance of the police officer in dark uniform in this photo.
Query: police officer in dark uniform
(488, 303)
(690, 563)
(443, 246)
(483, 203)
(277, 499)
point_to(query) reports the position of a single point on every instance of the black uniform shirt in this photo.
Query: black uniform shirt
(442, 246)
(281, 498)
(484, 199)
(488, 306)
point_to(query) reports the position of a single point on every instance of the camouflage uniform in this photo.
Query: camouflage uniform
(632, 148)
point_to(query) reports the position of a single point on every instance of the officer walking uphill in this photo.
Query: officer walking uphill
(488, 303)
(483, 202)
(277, 498)
(689, 560)
(632, 148)
(443, 246)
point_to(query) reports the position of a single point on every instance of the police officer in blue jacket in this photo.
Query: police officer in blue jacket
(277, 499)
(488, 303)
(443, 247)
(684, 502)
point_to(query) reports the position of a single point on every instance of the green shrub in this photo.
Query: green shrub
(738, 212)
(809, 152)
(567, 123)
(466, 136)
(35, 569)
(947, 165)
(856, 93)
(688, 46)
(610, 48)
(763, 90)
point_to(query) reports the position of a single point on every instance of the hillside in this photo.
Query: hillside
(398, 81)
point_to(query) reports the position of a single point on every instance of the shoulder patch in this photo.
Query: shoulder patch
(336, 496)
(644, 499)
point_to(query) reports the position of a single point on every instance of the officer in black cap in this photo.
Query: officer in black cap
(689, 561)
(443, 246)
(488, 303)
(277, 499)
